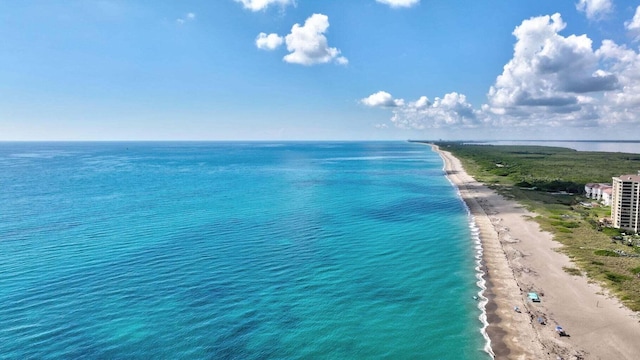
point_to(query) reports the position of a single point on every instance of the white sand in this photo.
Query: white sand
(519, 258)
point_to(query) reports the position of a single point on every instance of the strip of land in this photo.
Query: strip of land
(519, 258)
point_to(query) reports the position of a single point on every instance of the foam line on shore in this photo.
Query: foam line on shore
(481, 283)
(480, 274)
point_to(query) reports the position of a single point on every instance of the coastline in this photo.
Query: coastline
(516, 258)
(481, 283)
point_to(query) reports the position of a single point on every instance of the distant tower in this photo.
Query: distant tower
(625, 202)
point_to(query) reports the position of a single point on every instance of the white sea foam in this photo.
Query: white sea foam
(481, 283)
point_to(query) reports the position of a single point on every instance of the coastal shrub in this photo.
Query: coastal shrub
(567, 224)
(559, 212)
(564, 226)
(609, 231)
(524, 184)
(557, 223)
(635, 271)
(572, 271)
(501, 171)
(615, 277)
(606, 253)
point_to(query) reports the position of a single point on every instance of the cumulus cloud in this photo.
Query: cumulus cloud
(622, 105)
(399, 3)
(634, 25)
(551, 80)
(257, 5)
(268, 42)
(381, 99)
(595, 9)
(548, 71)
(452, 110)
(306, 43)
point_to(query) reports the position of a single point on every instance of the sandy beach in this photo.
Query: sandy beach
(519, 258)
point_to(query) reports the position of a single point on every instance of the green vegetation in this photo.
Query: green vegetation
(542, 168)
(572, 271)
(615, 277)
(565, 224)
(612, 232)
(550, 181)
(606, 253)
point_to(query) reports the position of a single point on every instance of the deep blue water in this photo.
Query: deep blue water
(233, 251)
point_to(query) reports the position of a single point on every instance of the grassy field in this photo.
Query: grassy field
(550, 181)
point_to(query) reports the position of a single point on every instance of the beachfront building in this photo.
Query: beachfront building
(625, 202)
(600, 192)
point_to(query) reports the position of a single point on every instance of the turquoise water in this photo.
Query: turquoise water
(234, 251)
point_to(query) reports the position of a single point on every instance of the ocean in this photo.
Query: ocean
(234, 250)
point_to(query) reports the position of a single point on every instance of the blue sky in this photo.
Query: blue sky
(319, 70)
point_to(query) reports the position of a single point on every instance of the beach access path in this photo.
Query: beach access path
(518, 258)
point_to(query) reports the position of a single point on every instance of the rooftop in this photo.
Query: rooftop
(631, 177)
(600, 186)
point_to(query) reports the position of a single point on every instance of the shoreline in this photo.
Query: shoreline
(485, 292)
(518, 257)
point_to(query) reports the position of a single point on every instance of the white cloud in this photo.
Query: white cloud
(308, 45)
(268, 42)
(381, 99)
(399, 3)
(623, 104)
(634, 25)
(551, 81)
(257, 5)
(452, 110)
(342, 60)
(595, 9)
(549, 73)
